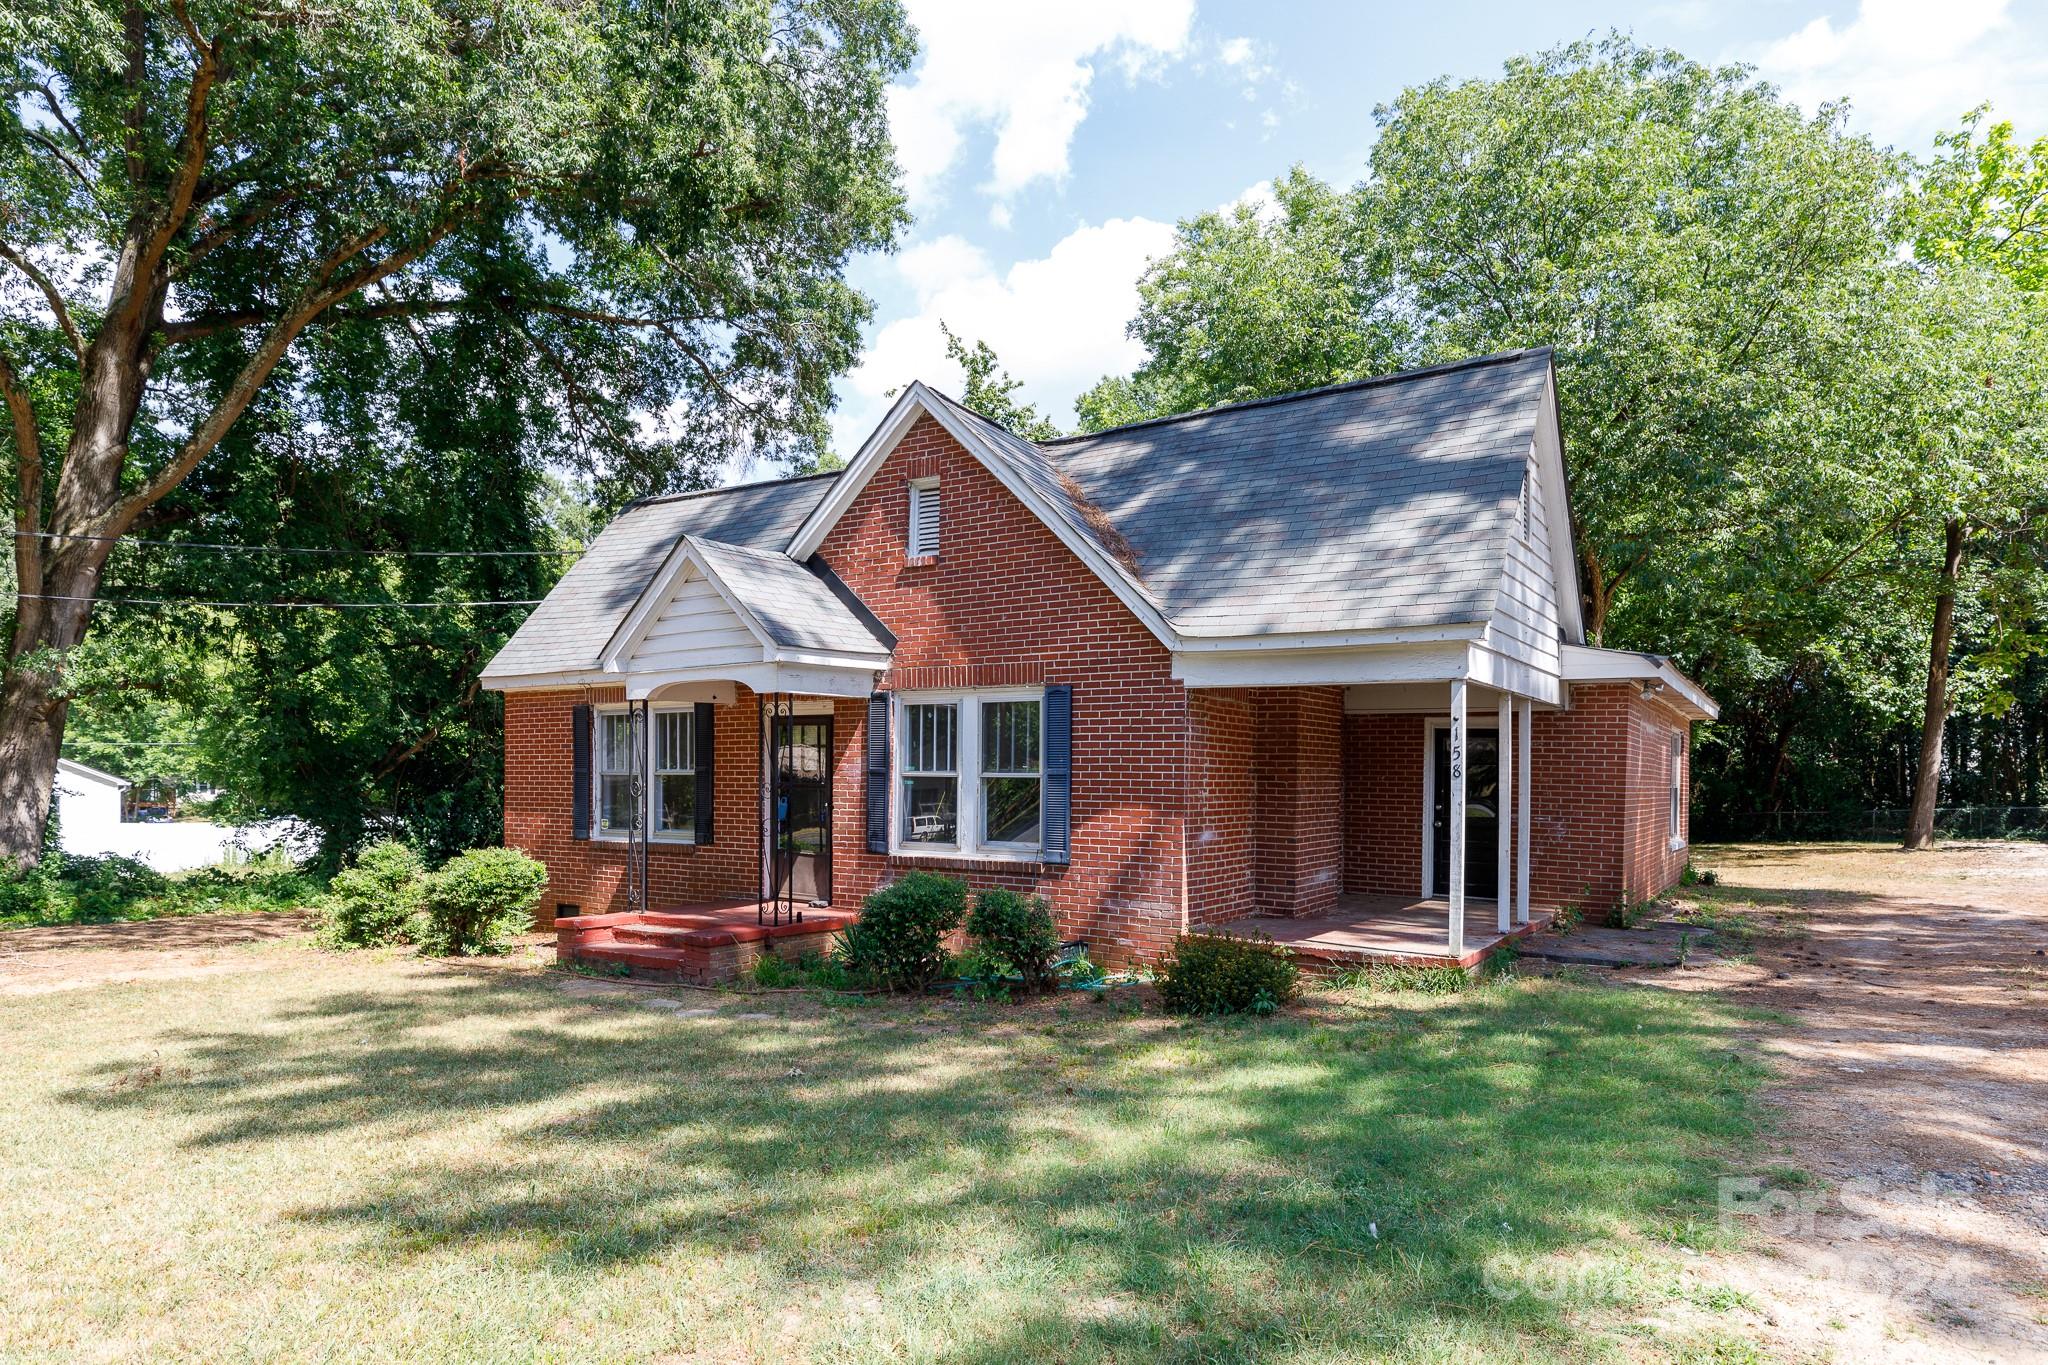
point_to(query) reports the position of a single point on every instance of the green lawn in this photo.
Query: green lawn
(364, 1156)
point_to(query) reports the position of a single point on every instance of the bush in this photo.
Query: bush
(374, 902)
(479, 901)
(28, 895)
(112, 876)
(900, 936)
(1020, 930)
(1226, 974)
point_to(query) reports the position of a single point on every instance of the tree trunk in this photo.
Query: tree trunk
(33, 706)
(1927, 780)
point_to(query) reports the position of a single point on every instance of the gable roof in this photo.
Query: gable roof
(787, 606)
(570, 628)
(1369, 506)
(1375, 510)
(91, 774)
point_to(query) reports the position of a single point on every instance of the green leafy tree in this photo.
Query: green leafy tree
(1252, 301)
(207, 205)
(990, 391)
(1981, 220)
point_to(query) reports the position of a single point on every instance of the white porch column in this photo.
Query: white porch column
(1528, 716)
(1457, 854)
(1504, 880)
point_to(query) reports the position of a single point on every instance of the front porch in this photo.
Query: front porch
(1387, 931)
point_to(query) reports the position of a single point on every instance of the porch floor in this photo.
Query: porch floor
(1393, 930)
(704, 943)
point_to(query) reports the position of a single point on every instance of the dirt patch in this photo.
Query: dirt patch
(1908, 1219)
(77, 957)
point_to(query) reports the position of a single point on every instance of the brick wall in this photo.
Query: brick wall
(1222, 797)
(1383, 804)
(1004, 603)
(1298, 826)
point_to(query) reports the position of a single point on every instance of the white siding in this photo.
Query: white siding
(1525, 617)
(694, 629)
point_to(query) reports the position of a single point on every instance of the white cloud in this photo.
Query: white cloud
(1236, 52)
(1023, 72)
(1057, 322)
(1909, 67)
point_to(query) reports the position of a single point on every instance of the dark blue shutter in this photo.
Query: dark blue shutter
(1059, 771)
(702, 749)
(579, 771)
(878, 773)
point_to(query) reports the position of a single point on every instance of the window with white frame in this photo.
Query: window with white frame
(1677, 785)
(971, 773)
(672, 774)
(930, 797)
(1010, 780)
(924, 518)
(675, 774)
(614, 772)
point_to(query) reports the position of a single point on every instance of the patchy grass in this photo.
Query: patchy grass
(108, 890)
(372, 1156)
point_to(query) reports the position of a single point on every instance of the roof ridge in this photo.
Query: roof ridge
(734, 545)
(1371, 381)
(654, 498)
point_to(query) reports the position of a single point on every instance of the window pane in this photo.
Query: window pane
(930, 741)
(1009, 736)
(930, 811)
(615, 746)
(1011, 805)
(675, 809)
(673, 731)
(615, 802)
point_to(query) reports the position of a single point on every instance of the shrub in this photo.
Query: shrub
(1020, 930)
(1210, 973)
(900, 936)
(112, 876)
(28, 895)
(479, 901)
(374, 902)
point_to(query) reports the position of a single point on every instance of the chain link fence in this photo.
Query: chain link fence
(1874, 823)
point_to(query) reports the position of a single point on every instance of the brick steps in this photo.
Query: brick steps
(699, 948)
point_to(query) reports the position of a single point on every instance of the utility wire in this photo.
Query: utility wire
(298, 549)
(288, 606)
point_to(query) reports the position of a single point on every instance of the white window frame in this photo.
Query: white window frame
(967, 776)
(1677, 789)
(914, 548)
(651, 795)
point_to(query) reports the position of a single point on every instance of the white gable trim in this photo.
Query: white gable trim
(1659, 679)
(918, 400)
(86, 773)
(632, 631)
(1564, 553)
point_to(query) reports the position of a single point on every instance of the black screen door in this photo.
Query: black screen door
(803, 817)
(1482, 815)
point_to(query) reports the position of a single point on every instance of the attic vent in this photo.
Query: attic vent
(1522, 512)
(924, 518)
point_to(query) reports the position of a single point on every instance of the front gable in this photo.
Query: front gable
(1008, 460)
(1002, 592)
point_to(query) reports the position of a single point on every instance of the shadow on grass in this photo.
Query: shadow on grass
(1090, 1187)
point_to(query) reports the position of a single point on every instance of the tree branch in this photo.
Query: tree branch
(49, 288)
(49, 144)
(317, 296)
(28, 473)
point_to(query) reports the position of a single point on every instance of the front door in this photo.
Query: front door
(1482, 814)
(803, 809)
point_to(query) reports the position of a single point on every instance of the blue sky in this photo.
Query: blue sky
(1050, 146)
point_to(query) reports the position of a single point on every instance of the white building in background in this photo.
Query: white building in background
(89, 822)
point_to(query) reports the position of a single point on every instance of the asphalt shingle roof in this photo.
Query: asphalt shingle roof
(1380, 504)
(797, 608)
(567, 631)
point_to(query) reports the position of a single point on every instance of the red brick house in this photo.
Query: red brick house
(1313, 661)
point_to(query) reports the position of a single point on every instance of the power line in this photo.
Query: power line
(298, 549)
(288, 606)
